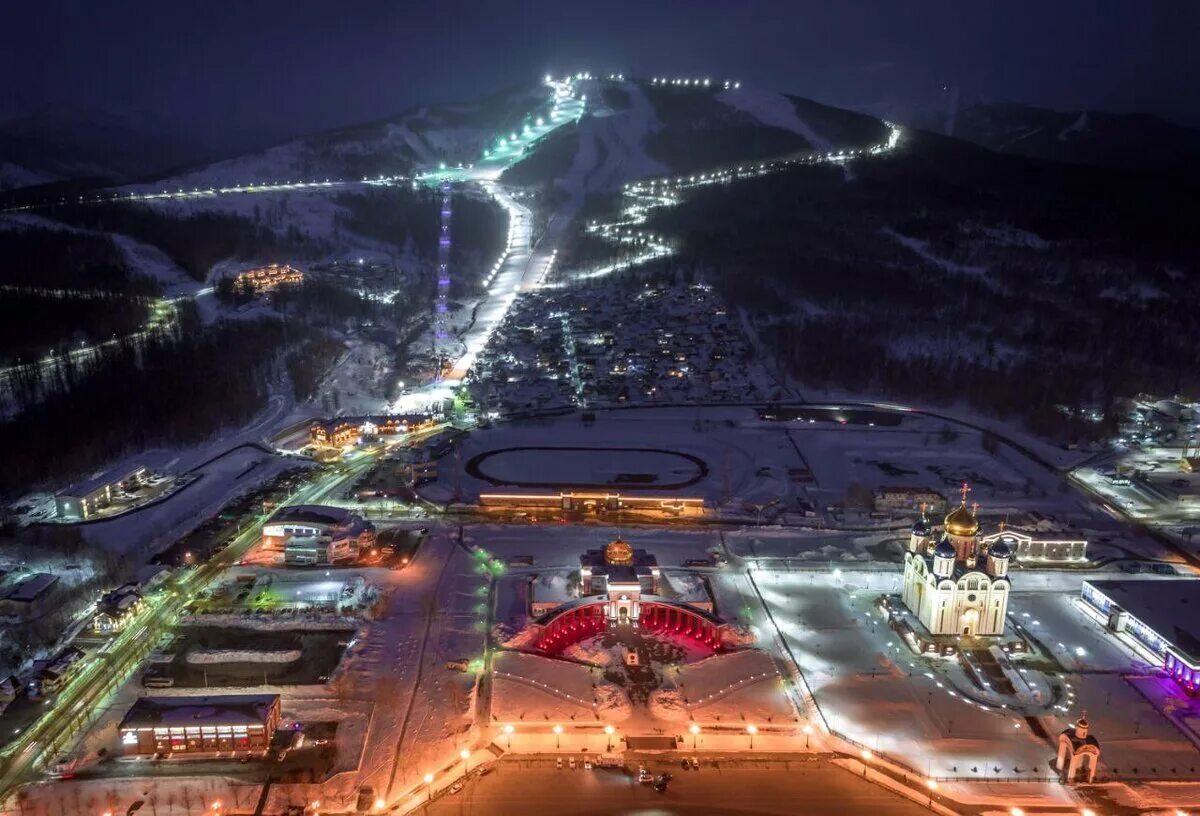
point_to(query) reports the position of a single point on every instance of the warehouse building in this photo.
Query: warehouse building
(191, 725)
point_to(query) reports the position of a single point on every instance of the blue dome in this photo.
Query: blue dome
(921, 528)
(945, 549)
(1001, 549)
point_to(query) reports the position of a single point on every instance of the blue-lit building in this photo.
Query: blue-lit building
(1160, 615)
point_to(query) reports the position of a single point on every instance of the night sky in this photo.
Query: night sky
(234, 70)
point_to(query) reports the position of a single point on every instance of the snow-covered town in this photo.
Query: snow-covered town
(612, 443)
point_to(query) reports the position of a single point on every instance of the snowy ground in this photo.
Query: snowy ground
(862, 677)
(144, 532)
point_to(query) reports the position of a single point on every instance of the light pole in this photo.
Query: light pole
(466, 758)
(695, 729)
(379, 804)
(429, 786)
(866, 757)
(508, 729)
(558, 736)
(807, 735)
(609, 730)
(932, 783)
(751, 730)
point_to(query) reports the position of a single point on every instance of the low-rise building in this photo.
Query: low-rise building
(1033, 548)
(892, 498)
(83, 500)
(265, 278)
(314, 534)
(342, 432)
(208, 724)
(55, 675)
(27, 596)
(116, 608)
(1157, 617)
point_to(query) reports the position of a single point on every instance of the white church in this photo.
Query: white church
(951, 583)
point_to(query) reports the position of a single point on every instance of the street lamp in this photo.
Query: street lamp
(608, 729)
(807, 735)
(379, 803)
(508, 729)
(695, 729)
(751, 730)
(866, 757)
(933, 786)
(558, 736)
(466, 758)
(429, 785)
(1016, 811)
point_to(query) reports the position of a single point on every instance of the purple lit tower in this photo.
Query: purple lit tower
(441, 335)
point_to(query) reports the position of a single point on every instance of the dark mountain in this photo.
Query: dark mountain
(53, 145)
(1127, 141)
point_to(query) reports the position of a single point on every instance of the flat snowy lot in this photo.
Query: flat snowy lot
(731, 451)
(870, 687)
(596, 466)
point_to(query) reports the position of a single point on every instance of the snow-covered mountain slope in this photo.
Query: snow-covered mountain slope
(422, 137)
(642, 129)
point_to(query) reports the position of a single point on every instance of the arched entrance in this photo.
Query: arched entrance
(969, 622)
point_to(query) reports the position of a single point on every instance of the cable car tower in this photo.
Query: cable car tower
(441, 335)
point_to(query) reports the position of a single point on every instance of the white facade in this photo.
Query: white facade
(949, 586)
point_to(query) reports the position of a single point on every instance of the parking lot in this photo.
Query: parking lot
(728, 787)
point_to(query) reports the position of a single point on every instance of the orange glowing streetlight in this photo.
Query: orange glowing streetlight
(751, 730)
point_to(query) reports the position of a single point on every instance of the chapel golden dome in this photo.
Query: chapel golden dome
(961, 522)
(618, 553)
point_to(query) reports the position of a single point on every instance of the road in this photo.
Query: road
(104, 673)
(741, 787)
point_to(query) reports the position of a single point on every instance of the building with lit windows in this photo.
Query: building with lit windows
(1032, 547)
(622, 586)
(265, 278)
(191, 725)
(83, 500)
(1156, 617)
(116, 608)
(952, 583)
(312, 534)
(342, 432)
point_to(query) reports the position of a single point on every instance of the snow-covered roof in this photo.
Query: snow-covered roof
(110, 477)
(1169, 607)
(225, 709)
(30, 587)
(312, 514)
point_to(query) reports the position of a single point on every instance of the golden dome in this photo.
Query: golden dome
(961, 522)
(618, 553)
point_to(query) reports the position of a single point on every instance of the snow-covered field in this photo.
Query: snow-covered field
(870, 687)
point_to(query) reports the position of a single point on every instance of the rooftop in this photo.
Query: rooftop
(225, 709)
(29, 588)
(312, 514)
(1171, 607)
(89, 486)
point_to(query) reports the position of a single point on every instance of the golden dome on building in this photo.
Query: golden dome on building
(618, 553)
(961, 522)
